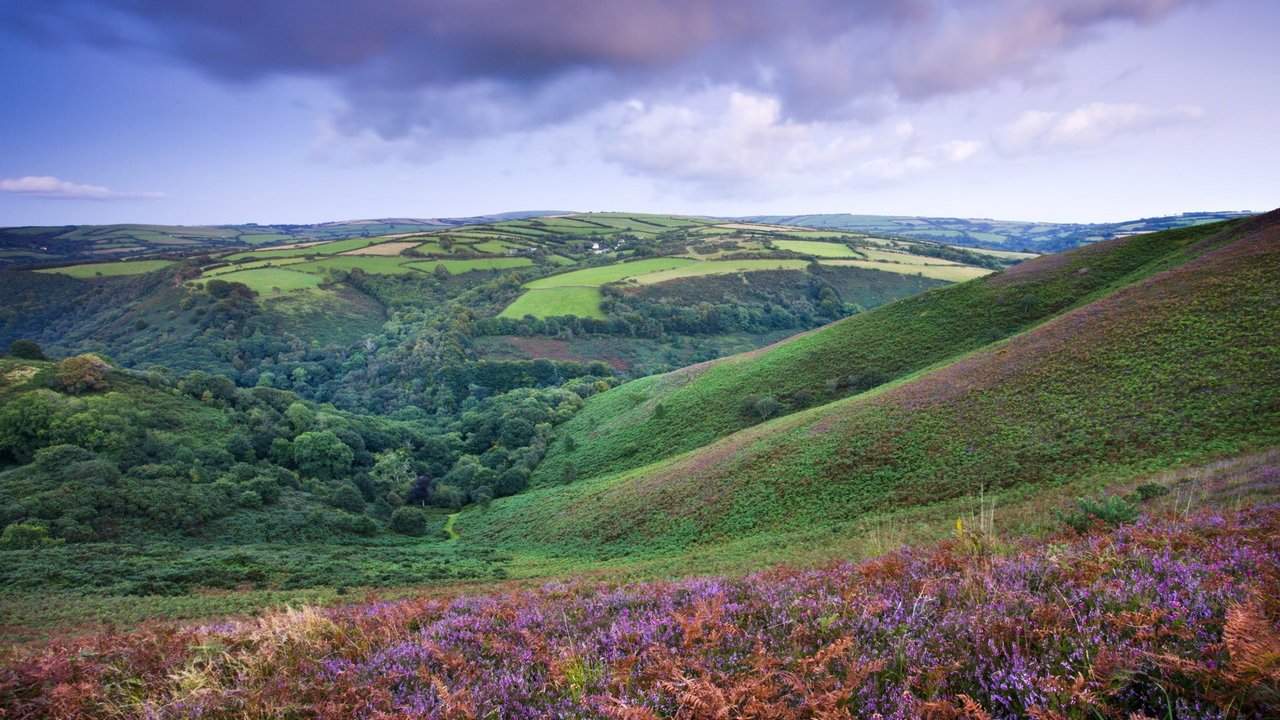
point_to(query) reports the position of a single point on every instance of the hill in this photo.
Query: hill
(1174, 358)
(1037, 237)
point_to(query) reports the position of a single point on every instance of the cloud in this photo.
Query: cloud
(46, 186)
(450, 68)
(1088, 126)
(733, 141)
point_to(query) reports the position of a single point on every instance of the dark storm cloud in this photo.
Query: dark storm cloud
(476, 66)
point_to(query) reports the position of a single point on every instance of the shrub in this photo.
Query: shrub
(24, 536)
(26, 350)
(409, 521)
(1111, 510)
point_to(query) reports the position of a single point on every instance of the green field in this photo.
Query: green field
(270, 262)
(375, 264)
(461, 266)
(552, 302)
(273, 281)
(597, 276)
(110, 269)
(717, 267)
(817, 249)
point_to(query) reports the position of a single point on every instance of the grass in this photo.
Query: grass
(951, 273)
(551, 302)
(718, 267)
(1179, 365)
(273, 281)
(461, 266)
(816, 248)
(109, 269)
(389, 249)
(597, 276)
(623, 429)
(373, 264)
(271, 262)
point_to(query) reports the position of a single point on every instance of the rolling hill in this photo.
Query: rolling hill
(996, 234)
(1167, 351)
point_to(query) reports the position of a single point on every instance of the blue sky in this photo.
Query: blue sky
(285, 111)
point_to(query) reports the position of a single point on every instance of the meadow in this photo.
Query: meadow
(555, 302)
(109, 269)
(270, 281)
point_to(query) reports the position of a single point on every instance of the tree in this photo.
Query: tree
(24, 536)
(409, 521)
(568, 473)
(83, 373)
(322, 455)
(26, 350)
(301, 417)
(441, 272)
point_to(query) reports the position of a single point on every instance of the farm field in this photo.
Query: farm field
(716, 267)
(386, 248)
(273, 281)
(597, 276)
(555, 301)
(951, 273)
(110, 269)
(462, 266)
(817, 249)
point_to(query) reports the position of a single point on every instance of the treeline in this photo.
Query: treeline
(98, 454)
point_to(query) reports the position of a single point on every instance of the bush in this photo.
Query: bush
(83, 373)
(1111, 510)
(24, 536)
(26, 350)
(409, 521)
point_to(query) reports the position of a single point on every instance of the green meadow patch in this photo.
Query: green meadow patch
(597, 276)
(273, 281)
(461, 266)
(816, 248)
(110, 269)
(553, 302)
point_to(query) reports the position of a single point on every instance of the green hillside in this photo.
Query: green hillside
(657, 417)
(1171, 353)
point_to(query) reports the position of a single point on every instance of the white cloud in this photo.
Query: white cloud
(741, 142)
(47, 186)
(1091, 125)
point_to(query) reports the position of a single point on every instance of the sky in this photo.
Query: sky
(300, 111)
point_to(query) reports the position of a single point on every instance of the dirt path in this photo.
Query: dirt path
(448, 527)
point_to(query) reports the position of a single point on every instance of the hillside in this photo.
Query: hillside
(1180, 361)
(657, 417)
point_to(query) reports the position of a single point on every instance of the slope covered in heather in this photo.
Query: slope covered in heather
(657, 417)
(1181, 363)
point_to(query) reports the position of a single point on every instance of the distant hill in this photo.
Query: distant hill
(1039, 237)
(31, 245)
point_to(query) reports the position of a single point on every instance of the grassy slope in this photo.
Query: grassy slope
(1179, 365)
(620, 429)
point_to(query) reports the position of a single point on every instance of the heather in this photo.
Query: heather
(1170, 617)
